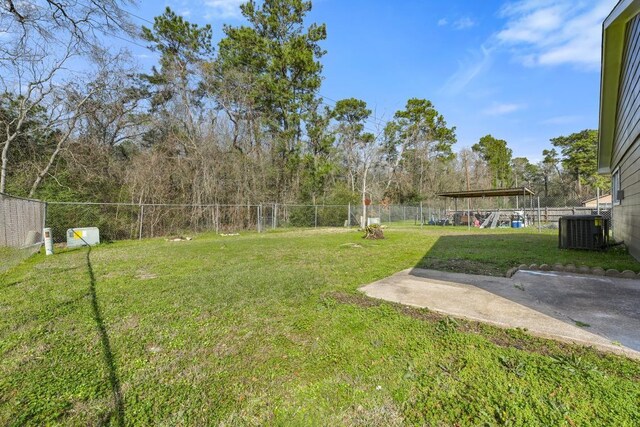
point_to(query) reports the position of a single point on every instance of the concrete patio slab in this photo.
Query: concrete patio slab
(549, 305)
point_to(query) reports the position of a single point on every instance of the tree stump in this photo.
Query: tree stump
(373, 232)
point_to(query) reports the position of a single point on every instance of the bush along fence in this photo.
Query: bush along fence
(21, 226)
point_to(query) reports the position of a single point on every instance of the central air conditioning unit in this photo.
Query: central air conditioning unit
(583, 232)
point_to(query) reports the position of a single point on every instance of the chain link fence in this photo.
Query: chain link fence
(119, 221)
(21, 224)
(22, 220)
(138, 221)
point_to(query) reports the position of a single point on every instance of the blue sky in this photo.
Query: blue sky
(524, 71)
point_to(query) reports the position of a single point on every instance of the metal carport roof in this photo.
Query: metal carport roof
(492, 192)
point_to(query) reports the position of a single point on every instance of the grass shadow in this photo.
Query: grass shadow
(488, 254)
(494, 254)
(107, 352)
(9, 285)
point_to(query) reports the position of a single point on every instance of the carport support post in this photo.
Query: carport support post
(468, 214)
(524, 207)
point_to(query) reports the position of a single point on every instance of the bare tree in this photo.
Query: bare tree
(70, 102)
(32, 82)
(42, 37)
(113, 114)
(50, 19)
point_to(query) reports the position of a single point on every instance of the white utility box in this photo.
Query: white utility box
(48, 241)
(372, 221)
(82, 237)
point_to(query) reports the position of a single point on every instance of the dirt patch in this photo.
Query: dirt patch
(386, 414)
(515, 338)
(127, 323)
(354, 299)
(420, 313)
(350, 245)
(145, 275)
(366, 302)
(320, 230)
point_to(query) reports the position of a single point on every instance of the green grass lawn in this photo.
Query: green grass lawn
(270, 329)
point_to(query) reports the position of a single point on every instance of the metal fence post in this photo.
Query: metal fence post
(274, 218)
(539, 224)
(349, 216)
(315, 218)
(217, 218)
(46, 212)
(141, 220)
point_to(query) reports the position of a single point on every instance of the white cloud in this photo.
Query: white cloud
(468, 70)
(442, 22)
(502, 109)
(546, 32)
(538, 33)
(223, 8)
(464, 23)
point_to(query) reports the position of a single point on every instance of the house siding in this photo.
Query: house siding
(626, 146)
